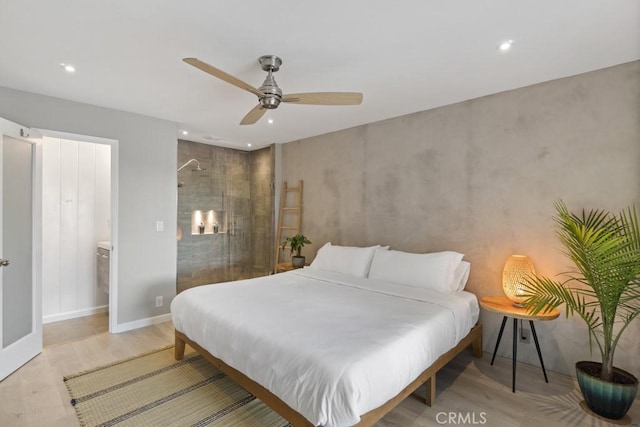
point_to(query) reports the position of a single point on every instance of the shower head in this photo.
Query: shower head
(196, 169)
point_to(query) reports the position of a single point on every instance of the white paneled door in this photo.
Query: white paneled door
(20, 294)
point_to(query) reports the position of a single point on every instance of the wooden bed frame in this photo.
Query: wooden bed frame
(473, 339)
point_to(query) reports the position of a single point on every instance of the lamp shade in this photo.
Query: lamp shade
(516, 269)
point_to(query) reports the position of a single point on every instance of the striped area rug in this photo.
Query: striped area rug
(154, 389)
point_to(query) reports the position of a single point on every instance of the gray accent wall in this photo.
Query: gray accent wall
(146, 176)
(480, 177)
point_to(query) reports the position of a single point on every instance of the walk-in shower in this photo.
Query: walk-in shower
(225, 215)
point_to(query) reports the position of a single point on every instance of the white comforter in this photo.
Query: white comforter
(331, 346)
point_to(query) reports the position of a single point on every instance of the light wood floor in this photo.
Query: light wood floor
(468, 389)
(73, 329)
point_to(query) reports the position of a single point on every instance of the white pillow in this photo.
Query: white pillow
(433, 271)
(351, 260)
(460, 276)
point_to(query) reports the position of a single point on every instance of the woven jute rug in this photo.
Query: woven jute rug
(154, 389)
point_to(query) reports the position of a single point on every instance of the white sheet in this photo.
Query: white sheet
(329, 345)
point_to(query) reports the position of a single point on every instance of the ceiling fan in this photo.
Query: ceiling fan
(269, 94)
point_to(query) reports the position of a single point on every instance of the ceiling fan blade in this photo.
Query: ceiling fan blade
(324, 98)
(253, 115)
(222, 75)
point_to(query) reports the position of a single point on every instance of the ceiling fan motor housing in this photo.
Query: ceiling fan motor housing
(272, 93)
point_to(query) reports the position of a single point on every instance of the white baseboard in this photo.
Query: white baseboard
(73, 314)
(123, 327)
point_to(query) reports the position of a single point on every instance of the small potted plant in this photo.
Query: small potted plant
(603, 290)
(296, 243)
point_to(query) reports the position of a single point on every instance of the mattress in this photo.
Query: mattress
(331, 346)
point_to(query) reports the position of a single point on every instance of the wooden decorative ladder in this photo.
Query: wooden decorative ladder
(288, 222)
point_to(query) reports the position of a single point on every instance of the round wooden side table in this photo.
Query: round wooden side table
(504, 306)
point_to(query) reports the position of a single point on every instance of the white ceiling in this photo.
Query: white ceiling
(404, 56)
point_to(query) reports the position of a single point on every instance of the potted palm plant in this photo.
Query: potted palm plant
(296, 243)
(604, 291)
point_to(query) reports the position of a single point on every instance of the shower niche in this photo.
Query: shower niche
(208, 222)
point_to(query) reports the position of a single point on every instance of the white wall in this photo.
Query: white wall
(146, 193)
(76, 200)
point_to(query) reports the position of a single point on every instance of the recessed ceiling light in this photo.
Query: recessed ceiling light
(270, 121)
(249, 145)
(68, 67)
(184, 132)
(506, 45)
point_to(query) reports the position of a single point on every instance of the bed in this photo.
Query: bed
(329, 348)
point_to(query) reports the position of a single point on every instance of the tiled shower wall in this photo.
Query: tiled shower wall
(262, 209)
(237, 185)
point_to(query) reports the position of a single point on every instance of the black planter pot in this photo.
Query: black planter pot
(608, 399)
(297, 261)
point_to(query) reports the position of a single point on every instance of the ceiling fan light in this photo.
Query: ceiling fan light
(270, 102)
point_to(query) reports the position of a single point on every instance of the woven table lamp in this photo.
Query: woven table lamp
(515, 270)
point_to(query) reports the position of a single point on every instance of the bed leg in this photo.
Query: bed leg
(476, 345)
(179, 349)
(430, 395)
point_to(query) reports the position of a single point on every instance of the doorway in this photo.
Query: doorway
(77, 228)
(21, 272)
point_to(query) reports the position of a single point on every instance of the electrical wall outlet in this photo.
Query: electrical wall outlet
(525, 336)
(159, 301)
